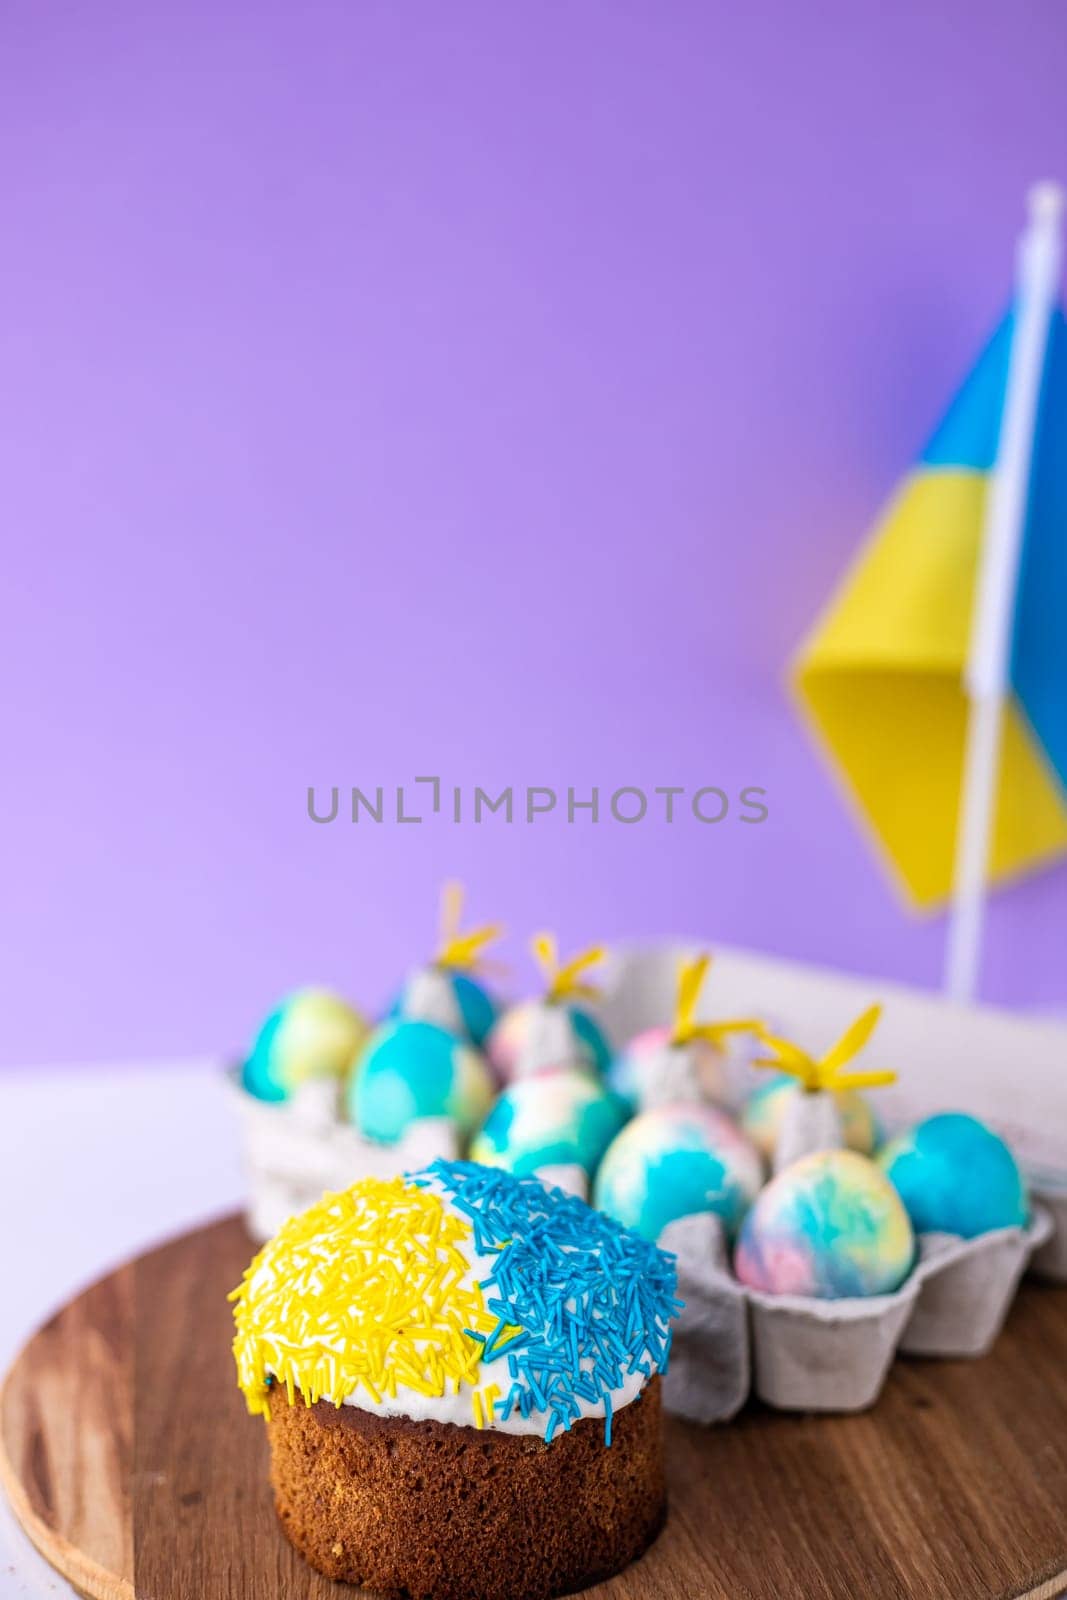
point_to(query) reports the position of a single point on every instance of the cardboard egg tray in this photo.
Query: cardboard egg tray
(800, 1354)
(1049, 1260)
(811, 1355)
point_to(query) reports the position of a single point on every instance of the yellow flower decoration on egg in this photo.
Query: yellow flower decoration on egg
(691, 975)
(367, 1290)
(463, 952)
(564, 981)
(825, 1072)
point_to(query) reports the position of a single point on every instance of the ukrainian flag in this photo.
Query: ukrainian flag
(881, 678)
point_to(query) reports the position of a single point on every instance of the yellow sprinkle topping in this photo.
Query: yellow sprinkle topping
(369, 1289)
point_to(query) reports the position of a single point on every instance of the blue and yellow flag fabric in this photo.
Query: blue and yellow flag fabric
(881, 677)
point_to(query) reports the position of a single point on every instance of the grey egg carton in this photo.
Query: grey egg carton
(802, 1354)
(1049, 1260)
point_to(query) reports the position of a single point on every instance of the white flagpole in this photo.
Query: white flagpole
(1038, 268)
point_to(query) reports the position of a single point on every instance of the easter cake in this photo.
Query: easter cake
(460, 1372)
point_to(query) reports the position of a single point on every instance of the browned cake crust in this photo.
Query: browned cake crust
(431, 1509)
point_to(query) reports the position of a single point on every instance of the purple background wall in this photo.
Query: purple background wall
(492, 391)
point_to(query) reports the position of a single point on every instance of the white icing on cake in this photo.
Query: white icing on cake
(457, 1407)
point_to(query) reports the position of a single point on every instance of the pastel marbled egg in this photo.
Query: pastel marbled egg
(674, 1161)
(416, 1069)
(560, 1118)
(459, 1002)
(311, 1034)
(583, 1042)
(632, 1073)
(761, 1117)
(831, 1227)
(955, 1175)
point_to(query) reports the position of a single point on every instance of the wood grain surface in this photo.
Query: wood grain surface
(66, 1432)
(128, 1456)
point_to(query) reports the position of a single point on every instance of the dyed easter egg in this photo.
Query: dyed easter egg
(312, 1034)
(632, 1072)
(955, 1175)
(561, 1118)
(583, 1043)
(762, 1116)
(674, 1161)
(831, 1226)
(471, 1009)
(416, 1069)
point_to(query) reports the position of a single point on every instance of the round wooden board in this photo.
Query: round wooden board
(128, 1457)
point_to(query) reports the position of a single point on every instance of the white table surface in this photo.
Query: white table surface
(95, 1165)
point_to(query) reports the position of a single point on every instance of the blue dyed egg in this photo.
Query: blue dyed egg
(561, 1118)
(312, 1034)
(476, 1010)
(830, 1227)
(955, 1175)
(415, 1069)
(674, 1161)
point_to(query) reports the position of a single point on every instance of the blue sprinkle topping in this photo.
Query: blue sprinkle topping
(594, 1301)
